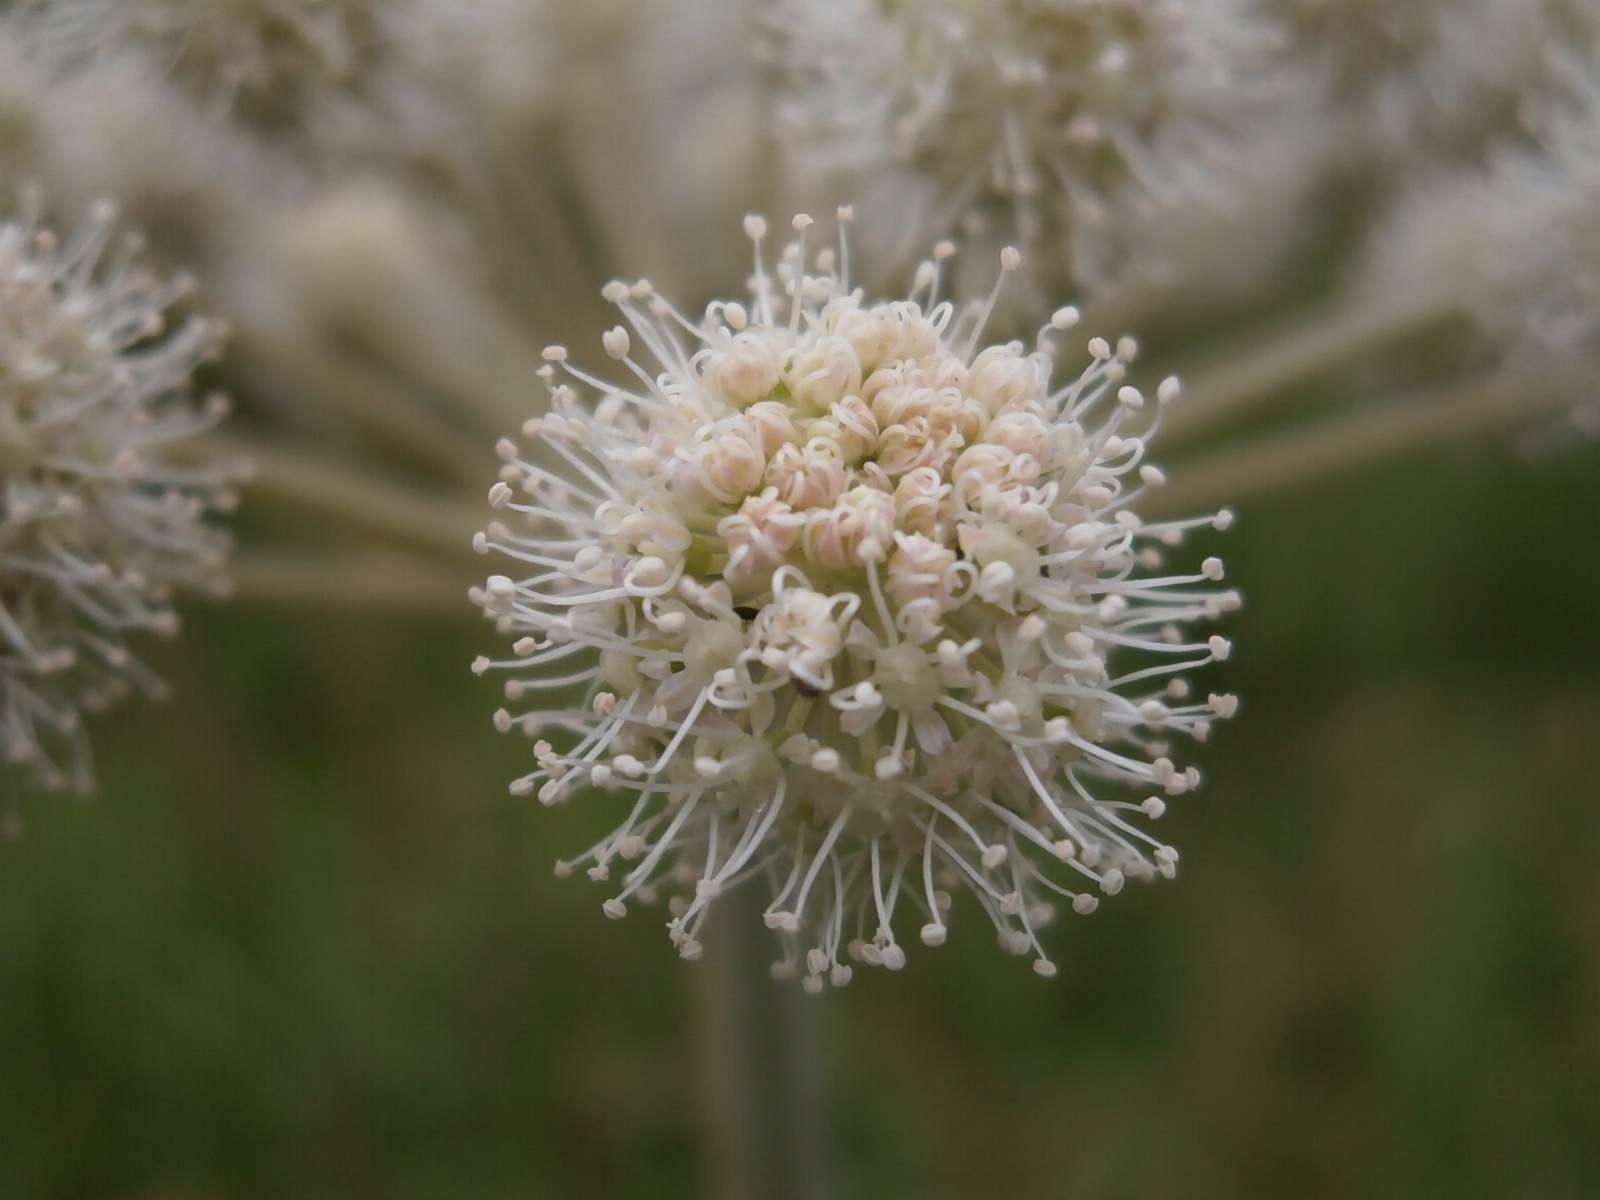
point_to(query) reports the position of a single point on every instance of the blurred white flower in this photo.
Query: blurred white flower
(1412, 83)
(1516, 243)
(103, 507)
(1100, 135)
(836, 592)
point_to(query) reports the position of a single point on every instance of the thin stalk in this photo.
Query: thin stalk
(388, 583)
(761, 1065)
(318, 375)
(1353, 439)
(340, 492)
(1257, 368)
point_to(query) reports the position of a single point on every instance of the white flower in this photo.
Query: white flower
(1517, 244)
(1098, 134)
(1414, 82)
(870, 690)
(263, 59)
(102, 515)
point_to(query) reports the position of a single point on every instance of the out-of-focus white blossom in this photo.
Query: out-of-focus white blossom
(103, 512)
(1517, 244)
(1412, 83)
(1103, 136)
(832, 593)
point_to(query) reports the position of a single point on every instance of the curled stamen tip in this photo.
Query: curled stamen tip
(801, 222)
(934, 934)
(755, 226)
(1044, 968)
(615, 909)
(994, 856)
(1010, 258)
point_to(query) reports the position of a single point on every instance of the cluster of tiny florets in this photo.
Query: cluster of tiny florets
(1083, 129)
(101, 515)
(1518, 241)
(267, 62)
(835, 590)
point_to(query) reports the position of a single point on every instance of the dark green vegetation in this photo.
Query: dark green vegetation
(303, 945)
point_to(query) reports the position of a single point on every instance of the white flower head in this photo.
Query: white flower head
(1516, 243)
(1417, 82)
(260, 58)
(1093, 133)
(837, 591)
(102, 514)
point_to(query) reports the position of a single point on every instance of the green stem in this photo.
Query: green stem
(443, 526)
(1267, 464)
(761, 1063)
(1256, 370)
(314, 375)
(382, 582)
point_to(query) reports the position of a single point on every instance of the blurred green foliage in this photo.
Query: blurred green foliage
(303, 945)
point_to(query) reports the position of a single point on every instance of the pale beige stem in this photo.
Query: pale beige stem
(1284, 460)
(442, 525)
(318, 375)
(382, 582)
(1256, 370)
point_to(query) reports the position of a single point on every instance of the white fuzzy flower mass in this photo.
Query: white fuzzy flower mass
(1095, 132)
(100, 514)
(831, 594)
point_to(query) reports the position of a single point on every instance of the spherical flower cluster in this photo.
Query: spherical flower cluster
(101, 514)
(1092, 131)
(265, 61)
(1517, 244)
(1413, 83)
(835, 591)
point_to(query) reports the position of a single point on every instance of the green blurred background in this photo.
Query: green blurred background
(302, 944)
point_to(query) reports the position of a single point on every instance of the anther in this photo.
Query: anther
(616, 342)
